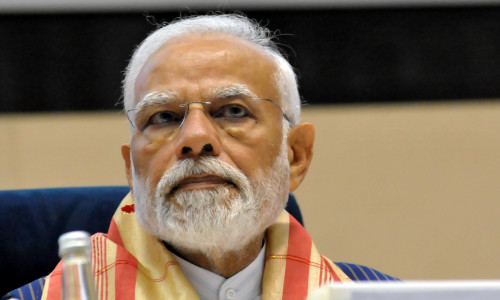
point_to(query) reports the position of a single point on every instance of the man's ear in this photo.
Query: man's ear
(128, 163)
(300, 152)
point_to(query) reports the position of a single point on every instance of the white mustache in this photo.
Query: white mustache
(205, 165)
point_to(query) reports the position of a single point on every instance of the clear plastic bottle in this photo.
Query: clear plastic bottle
(78, 281)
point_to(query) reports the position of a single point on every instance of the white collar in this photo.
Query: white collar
(246, 284)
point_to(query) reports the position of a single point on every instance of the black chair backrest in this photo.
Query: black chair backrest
(34, 219)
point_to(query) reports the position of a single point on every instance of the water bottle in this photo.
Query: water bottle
(78, 281)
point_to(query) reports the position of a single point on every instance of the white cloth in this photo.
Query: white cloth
(246, 284)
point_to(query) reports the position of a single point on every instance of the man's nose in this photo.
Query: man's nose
(198, 134)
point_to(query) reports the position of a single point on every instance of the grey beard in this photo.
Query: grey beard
(226, 217)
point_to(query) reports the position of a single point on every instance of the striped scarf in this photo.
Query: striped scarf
(129, 263)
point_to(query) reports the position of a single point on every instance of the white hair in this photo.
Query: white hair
(237, 25)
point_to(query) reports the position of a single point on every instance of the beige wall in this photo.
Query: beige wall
(409, 189)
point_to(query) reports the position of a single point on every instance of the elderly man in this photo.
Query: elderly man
(216, 146)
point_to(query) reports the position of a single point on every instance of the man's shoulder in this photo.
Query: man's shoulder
(30, 291)
(358, 272)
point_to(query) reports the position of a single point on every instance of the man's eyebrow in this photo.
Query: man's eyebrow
(163, 97)
(155, 98)
(232, 90)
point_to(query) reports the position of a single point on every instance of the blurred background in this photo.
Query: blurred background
(405, 97)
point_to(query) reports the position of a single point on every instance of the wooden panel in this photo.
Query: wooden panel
(410, 189)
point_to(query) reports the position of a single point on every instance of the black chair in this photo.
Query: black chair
(34, 219)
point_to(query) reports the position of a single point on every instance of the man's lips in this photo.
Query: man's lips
(201, 182)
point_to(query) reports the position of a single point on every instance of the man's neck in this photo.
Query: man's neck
(222, 262)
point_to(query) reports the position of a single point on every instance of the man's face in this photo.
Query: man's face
(191, 69)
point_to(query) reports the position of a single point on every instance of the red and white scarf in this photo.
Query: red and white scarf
(129, 263)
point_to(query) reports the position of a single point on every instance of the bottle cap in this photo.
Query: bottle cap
(73, 240)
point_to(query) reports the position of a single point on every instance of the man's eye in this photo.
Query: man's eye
(164, 117)
(232, 111)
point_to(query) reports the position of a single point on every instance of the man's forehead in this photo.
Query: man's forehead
(209, 44)
(215, 55)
